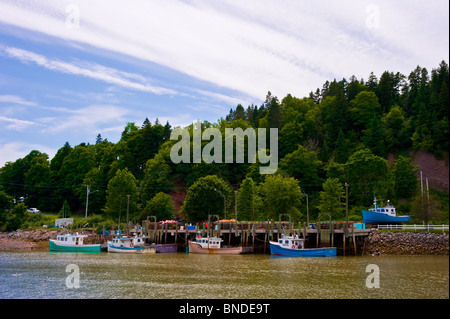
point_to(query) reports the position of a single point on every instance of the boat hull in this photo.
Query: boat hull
(54, 246)
(126, 250)
(167, 248)
(276, 249)
(197, 249)
(160, 248)
(374, 218)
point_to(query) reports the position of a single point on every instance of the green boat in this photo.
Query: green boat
(72, 243)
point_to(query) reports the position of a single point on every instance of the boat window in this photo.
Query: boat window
(280, 241)
(286, 242)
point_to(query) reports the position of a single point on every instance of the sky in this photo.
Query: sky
(70, 70)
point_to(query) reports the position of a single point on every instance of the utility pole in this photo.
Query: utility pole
(235, 203)
(87, 199)
(224, 203)
(88, 191)
(307, 207)
(346, 204)
(128, 208)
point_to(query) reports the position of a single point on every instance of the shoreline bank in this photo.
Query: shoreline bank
(377, 243)
(405, 243)
(35, 239)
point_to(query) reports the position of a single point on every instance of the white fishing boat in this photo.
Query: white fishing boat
(213, 245)
(126, 244)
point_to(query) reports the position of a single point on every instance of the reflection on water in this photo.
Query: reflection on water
(181, 276)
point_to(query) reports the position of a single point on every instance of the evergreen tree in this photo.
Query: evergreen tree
(332, 199)
(206, 197)
(119, 187)
(404, 177)
(248, 200)
(161, 206)
(366, 174)
(374, 137)
(281, 195)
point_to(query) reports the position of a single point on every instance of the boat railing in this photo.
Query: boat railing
(427, 227)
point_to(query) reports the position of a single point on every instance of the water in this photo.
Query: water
(40, 274)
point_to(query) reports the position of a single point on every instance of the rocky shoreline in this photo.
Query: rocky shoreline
(26, 239)
(406, 243)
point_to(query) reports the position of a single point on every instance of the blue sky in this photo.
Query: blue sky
(70, 70)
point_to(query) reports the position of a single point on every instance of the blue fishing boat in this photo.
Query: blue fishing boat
(382, 215)
(295, 247)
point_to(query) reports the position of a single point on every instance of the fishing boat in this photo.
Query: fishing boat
(72, 243)
(161, 248)
(380, 215)
(213, 245)
(126, 244)
(166, 248)
(295, 247)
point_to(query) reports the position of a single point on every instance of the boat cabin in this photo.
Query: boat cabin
(127, 241)
(123, 242)
(70, 239)
(292, 242)
(209, 242)
(388, 210)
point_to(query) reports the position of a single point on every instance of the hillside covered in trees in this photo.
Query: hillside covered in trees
(340, 134)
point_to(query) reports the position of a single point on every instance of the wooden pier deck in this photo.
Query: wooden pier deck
(349, 239)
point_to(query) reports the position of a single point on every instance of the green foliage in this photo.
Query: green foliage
(343, 130)
(204, 197)
(161, 206)
(367, 175)
(281, 195)
(6, 201)
(121, 195)
(157, 175)
(332, 199)
(303, 165)
(15, 218)
(364, 107)
(65, 210)
(404, 177)
(248, 200)
(425, 208)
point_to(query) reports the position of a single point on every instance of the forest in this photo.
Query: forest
(333, 142)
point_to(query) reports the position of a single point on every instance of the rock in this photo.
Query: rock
(407, 243)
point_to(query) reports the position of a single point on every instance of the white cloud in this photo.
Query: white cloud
(87, 69)
(87, 119)
(14, 124)
(250, 46)
(10, 152)
(14, 99)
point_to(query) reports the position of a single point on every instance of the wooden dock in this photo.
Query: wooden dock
(348, 239)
